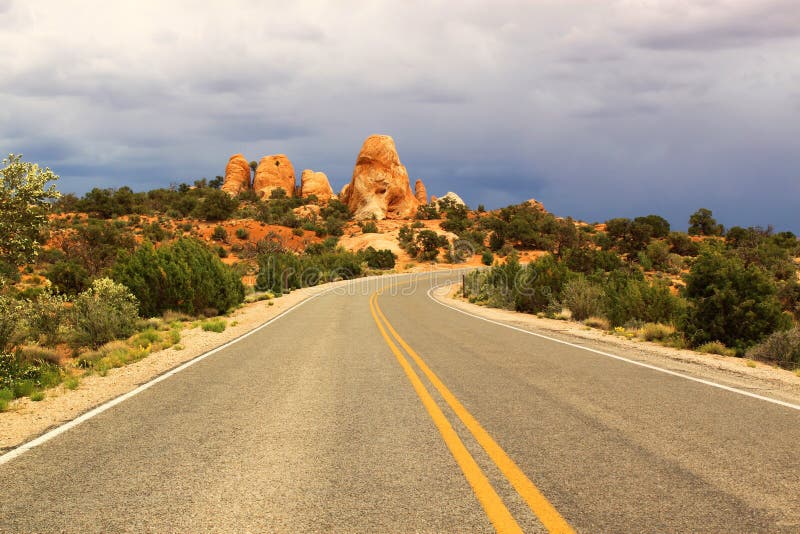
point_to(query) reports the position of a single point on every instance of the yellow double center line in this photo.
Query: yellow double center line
(492, 504)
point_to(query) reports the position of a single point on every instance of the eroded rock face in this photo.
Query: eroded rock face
(237, 175)
(380, 187)
(315, 183)
(274, 172)
(420, 193)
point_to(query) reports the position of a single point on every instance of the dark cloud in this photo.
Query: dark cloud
(726, 25)
(574, 102)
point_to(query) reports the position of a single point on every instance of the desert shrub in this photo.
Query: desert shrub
(154, 232)
(487, 258)
(11, 322)
(682, 244)
(44, 317)
(427, 212)
(628, 297)
(242, 233)
(540, 284)
(716, 347)
(730, 303)
(497, 286)
(657, 254)
(429, 243)
(589, 260)
(496, 241)
(369, 227)
(597, 322)
(106, 311)
(216, 206)
(95, 245)
(183, 276)
(68, 277)
(379, 259)
(656, 331)
(781, 347)
(659, 226)
(36, 355)
(214, 325)
(629, 237)
(281, 272)
(219, 234)
(582, 298)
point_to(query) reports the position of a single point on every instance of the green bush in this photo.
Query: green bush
(379, 259)
(487, 258)
(183, 276)
(216, 206)
(582, 298)
(631, 298)
(220, 234)
(730, 302)
(242, 233)
(214, 325)
(44, 317)
(281, 272)
(106, 311)
(369, 227)
(68, 277)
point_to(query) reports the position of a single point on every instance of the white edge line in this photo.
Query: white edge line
(47, 436)
(616, 357)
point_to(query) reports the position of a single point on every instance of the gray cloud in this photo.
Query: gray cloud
(718, 24)
(598, 109)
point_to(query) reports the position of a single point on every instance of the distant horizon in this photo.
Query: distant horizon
(598, 110)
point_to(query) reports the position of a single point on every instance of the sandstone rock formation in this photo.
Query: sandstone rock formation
(420, 192)
(274, 172)
(536, 205)
(315, 183)
(237, 175)
(452, 197)
(379, 187)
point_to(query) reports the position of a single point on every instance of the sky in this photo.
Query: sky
(598, 109)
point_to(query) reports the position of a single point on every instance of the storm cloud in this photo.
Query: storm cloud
(598, 109)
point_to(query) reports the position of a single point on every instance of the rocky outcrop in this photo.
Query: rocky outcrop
(451, 197)
(237, 175)
(379, 188)
(315, 183)
(420, 193)
(274, 172)
(535, 204)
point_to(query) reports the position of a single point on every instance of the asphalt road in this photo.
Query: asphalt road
(315, 423)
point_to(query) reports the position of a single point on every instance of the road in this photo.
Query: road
(379, 410)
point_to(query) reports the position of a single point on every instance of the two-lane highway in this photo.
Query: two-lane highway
(377, 409)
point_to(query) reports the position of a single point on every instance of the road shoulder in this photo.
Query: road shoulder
(762, 379)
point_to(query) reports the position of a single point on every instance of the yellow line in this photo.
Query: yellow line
(538, 503)
(497, 512)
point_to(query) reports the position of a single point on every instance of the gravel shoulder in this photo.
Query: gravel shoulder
(26, 419)
(762, 379)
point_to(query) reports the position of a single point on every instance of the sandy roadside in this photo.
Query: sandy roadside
(26, 419)
(763, 379)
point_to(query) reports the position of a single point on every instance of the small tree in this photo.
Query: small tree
(703, 223)
(731, 303)
(24, 197)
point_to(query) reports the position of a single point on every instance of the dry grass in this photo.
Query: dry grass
(597, 322)
(716, 347)
(656, 332)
